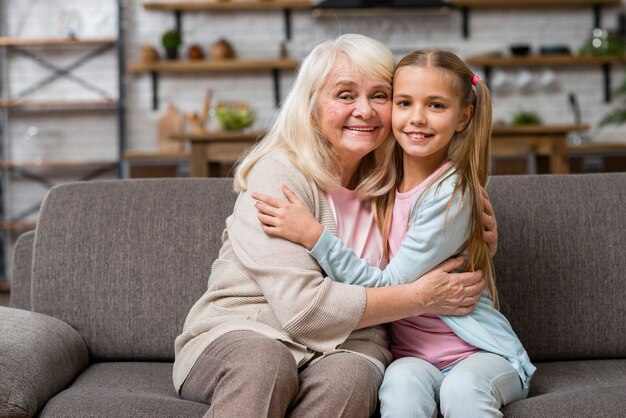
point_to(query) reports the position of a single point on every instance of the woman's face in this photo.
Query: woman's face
(354, 113)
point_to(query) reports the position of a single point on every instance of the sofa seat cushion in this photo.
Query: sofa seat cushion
(574, 389)
(123, 389)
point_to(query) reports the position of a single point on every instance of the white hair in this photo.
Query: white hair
(296, 130)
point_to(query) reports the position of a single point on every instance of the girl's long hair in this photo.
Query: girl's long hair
(470, 152)
(296, 129)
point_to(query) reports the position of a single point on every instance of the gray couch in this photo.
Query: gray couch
(102, 287)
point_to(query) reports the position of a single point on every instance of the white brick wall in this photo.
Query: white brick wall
(259, 34)
(256, 34)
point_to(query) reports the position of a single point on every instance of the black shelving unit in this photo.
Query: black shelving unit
(15, 224)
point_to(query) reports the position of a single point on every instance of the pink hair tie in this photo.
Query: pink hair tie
(475, 80)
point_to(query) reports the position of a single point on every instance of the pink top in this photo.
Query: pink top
(355, 225)
(426, 336)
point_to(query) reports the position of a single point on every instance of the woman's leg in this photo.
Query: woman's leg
(338, 385)
(243, 374)
(479, 386)
(410, 389)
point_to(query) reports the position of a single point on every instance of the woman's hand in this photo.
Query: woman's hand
(438, 292)
(290, 220)
(444, 292)
(490, 233)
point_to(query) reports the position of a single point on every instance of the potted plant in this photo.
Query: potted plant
(617, 116)
(526, 117)
(171, 41)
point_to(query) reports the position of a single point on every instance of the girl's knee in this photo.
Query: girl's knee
(463, 383)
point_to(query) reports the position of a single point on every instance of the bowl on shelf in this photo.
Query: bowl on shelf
(554, 50)
(520, 50)
(234, 116)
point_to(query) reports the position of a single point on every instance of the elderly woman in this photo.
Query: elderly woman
(272, 336)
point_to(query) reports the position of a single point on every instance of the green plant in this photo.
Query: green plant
(171, 39)
(616, 116)
(234, 118)
(526, 117)
(605, 43)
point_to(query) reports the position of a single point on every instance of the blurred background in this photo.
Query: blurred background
(98, 89)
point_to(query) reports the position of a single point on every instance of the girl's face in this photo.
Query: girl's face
(427, 112)
(354, 113)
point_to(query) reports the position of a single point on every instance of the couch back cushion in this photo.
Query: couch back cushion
(561, 263)
(123, 261)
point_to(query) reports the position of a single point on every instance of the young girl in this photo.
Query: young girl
(470, 365)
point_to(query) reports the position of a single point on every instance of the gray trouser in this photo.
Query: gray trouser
(245, 374)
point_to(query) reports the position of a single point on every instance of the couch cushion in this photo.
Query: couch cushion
(123, 261)
(22, 268)
(560, 263)
(575, 389)
(116, 390)
(39, 357)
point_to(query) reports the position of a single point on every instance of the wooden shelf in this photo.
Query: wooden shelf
(186, 66)
(213, 66)
(155, 155)
(541, 60)
(58, 105)
(466, 5)
(530, 3)
(17, 225)
(8, 41)
(227, 5)
(58, 164)
(219, 136)
(598, 148)
(515, 130)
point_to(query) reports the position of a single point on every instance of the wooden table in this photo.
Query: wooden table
(220, 146)
(533, 141)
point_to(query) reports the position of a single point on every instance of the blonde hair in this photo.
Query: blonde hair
(470, 151)
(296, 129)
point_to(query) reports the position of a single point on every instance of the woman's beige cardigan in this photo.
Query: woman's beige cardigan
(274, 287)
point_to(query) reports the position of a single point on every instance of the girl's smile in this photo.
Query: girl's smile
(427, 112)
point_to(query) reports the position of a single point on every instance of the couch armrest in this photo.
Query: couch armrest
(22, 266)
(40, 356)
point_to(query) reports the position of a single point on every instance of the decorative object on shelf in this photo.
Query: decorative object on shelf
(171, 41)
(198, 121)
(524, 81)
(69, 23)
(148, 53)
(554, 50)
(222, 49)
(283, 50)
(526, 117)
(234, 116)
(195, 52)
(520, 50)
(548, 80)
(170, 123)
(603, 42)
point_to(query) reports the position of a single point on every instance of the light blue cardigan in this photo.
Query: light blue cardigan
(436, 232)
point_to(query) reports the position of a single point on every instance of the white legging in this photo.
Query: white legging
(477, 386)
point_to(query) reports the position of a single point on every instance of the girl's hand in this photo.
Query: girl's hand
(290, 220)
(490, 234)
